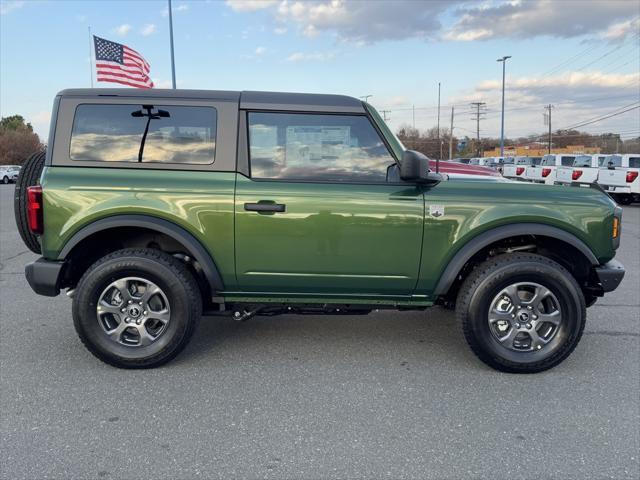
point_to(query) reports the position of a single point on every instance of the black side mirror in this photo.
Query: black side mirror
(415, 168)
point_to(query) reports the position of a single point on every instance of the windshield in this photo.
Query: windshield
(548, 161)
(611, 160)
(582, 161)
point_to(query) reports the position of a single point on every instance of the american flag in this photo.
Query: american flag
(120, 64)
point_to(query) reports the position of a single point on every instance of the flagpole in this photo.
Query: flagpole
(90, 57)
(173, 62)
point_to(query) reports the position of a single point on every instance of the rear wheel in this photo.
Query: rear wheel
(5, 180)
(29, 175)
(623, 199)
(136, 308)
(521, 313)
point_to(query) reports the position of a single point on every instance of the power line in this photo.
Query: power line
(605, 116)
(478, 115)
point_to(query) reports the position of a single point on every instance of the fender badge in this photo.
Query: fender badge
(436, 210)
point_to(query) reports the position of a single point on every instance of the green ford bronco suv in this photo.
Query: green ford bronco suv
(156, 207)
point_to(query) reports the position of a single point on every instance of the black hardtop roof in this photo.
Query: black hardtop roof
(247, 99)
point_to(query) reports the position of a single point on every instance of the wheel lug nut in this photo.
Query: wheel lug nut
(513, 315)
(123, 310)
(535, 317)
(517, 325)
(539, 347)
(129, 302)
(144, 313)
(528, 325)
(529, 307)
(138, 322)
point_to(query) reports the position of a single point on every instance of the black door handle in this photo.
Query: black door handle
(265, 207)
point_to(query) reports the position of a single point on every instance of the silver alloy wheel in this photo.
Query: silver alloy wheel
(524, 317)
(133, 311)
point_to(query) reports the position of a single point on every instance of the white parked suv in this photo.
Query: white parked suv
(545, 172)
(9, 173)
(621, 178)
(517, 169)
(584, 171)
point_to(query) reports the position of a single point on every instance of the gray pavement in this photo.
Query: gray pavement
(393, 395)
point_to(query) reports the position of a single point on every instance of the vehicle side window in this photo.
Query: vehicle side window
(318, 147)
(567, 161)
(144, 133)
(634, 162)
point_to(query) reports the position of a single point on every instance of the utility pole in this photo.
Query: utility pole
(477, 116)
(384, 114)
(451, 137)
(504, 65)
(413, 109)
(439, 121)
(547, 119)
(366, 98)
(173, 60)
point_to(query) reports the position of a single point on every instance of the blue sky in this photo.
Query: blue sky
(581, 56)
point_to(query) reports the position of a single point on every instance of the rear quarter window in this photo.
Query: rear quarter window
(567, 161)
(634, 162)
(144, 133)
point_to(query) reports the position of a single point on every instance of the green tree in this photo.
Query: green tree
(17, 140)
(14, 122)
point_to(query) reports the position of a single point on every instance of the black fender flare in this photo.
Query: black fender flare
(500, 233)
(193, 245)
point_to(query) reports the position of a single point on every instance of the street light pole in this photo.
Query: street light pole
(366, 98)
(173, 61)
(504, 64)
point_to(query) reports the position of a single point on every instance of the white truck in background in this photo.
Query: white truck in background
(545, 172)
(584, 171)
(620, 178)
(517, 169)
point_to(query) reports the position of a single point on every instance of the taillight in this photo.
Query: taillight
(631, 176)
(34, 209)
(546, 172)
(519, 170)
(576, 174)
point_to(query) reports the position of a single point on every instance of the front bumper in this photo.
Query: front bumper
(610, 275)
(44, 276)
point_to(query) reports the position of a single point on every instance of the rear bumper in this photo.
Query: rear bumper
(610, 275)
(44, 276)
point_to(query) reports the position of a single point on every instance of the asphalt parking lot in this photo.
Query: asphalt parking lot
(394, 395)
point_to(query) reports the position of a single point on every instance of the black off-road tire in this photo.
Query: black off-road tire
(488, 279)
(165, 271)
(5, 180)
(29, 175)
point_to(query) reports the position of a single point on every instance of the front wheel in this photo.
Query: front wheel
(521, 313)
(136, 308)
(5, 180)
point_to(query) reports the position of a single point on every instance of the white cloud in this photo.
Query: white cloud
(81, 18)
(158, 83)
(305, 57)
(250, 5)
(619, 31)
(183, 7)
(8, 6)
(260, 51)
(569, 80)
(40, 122)
(122, 30)
(279, 30)
(148, 29)
(374, 21)
(533, 18)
